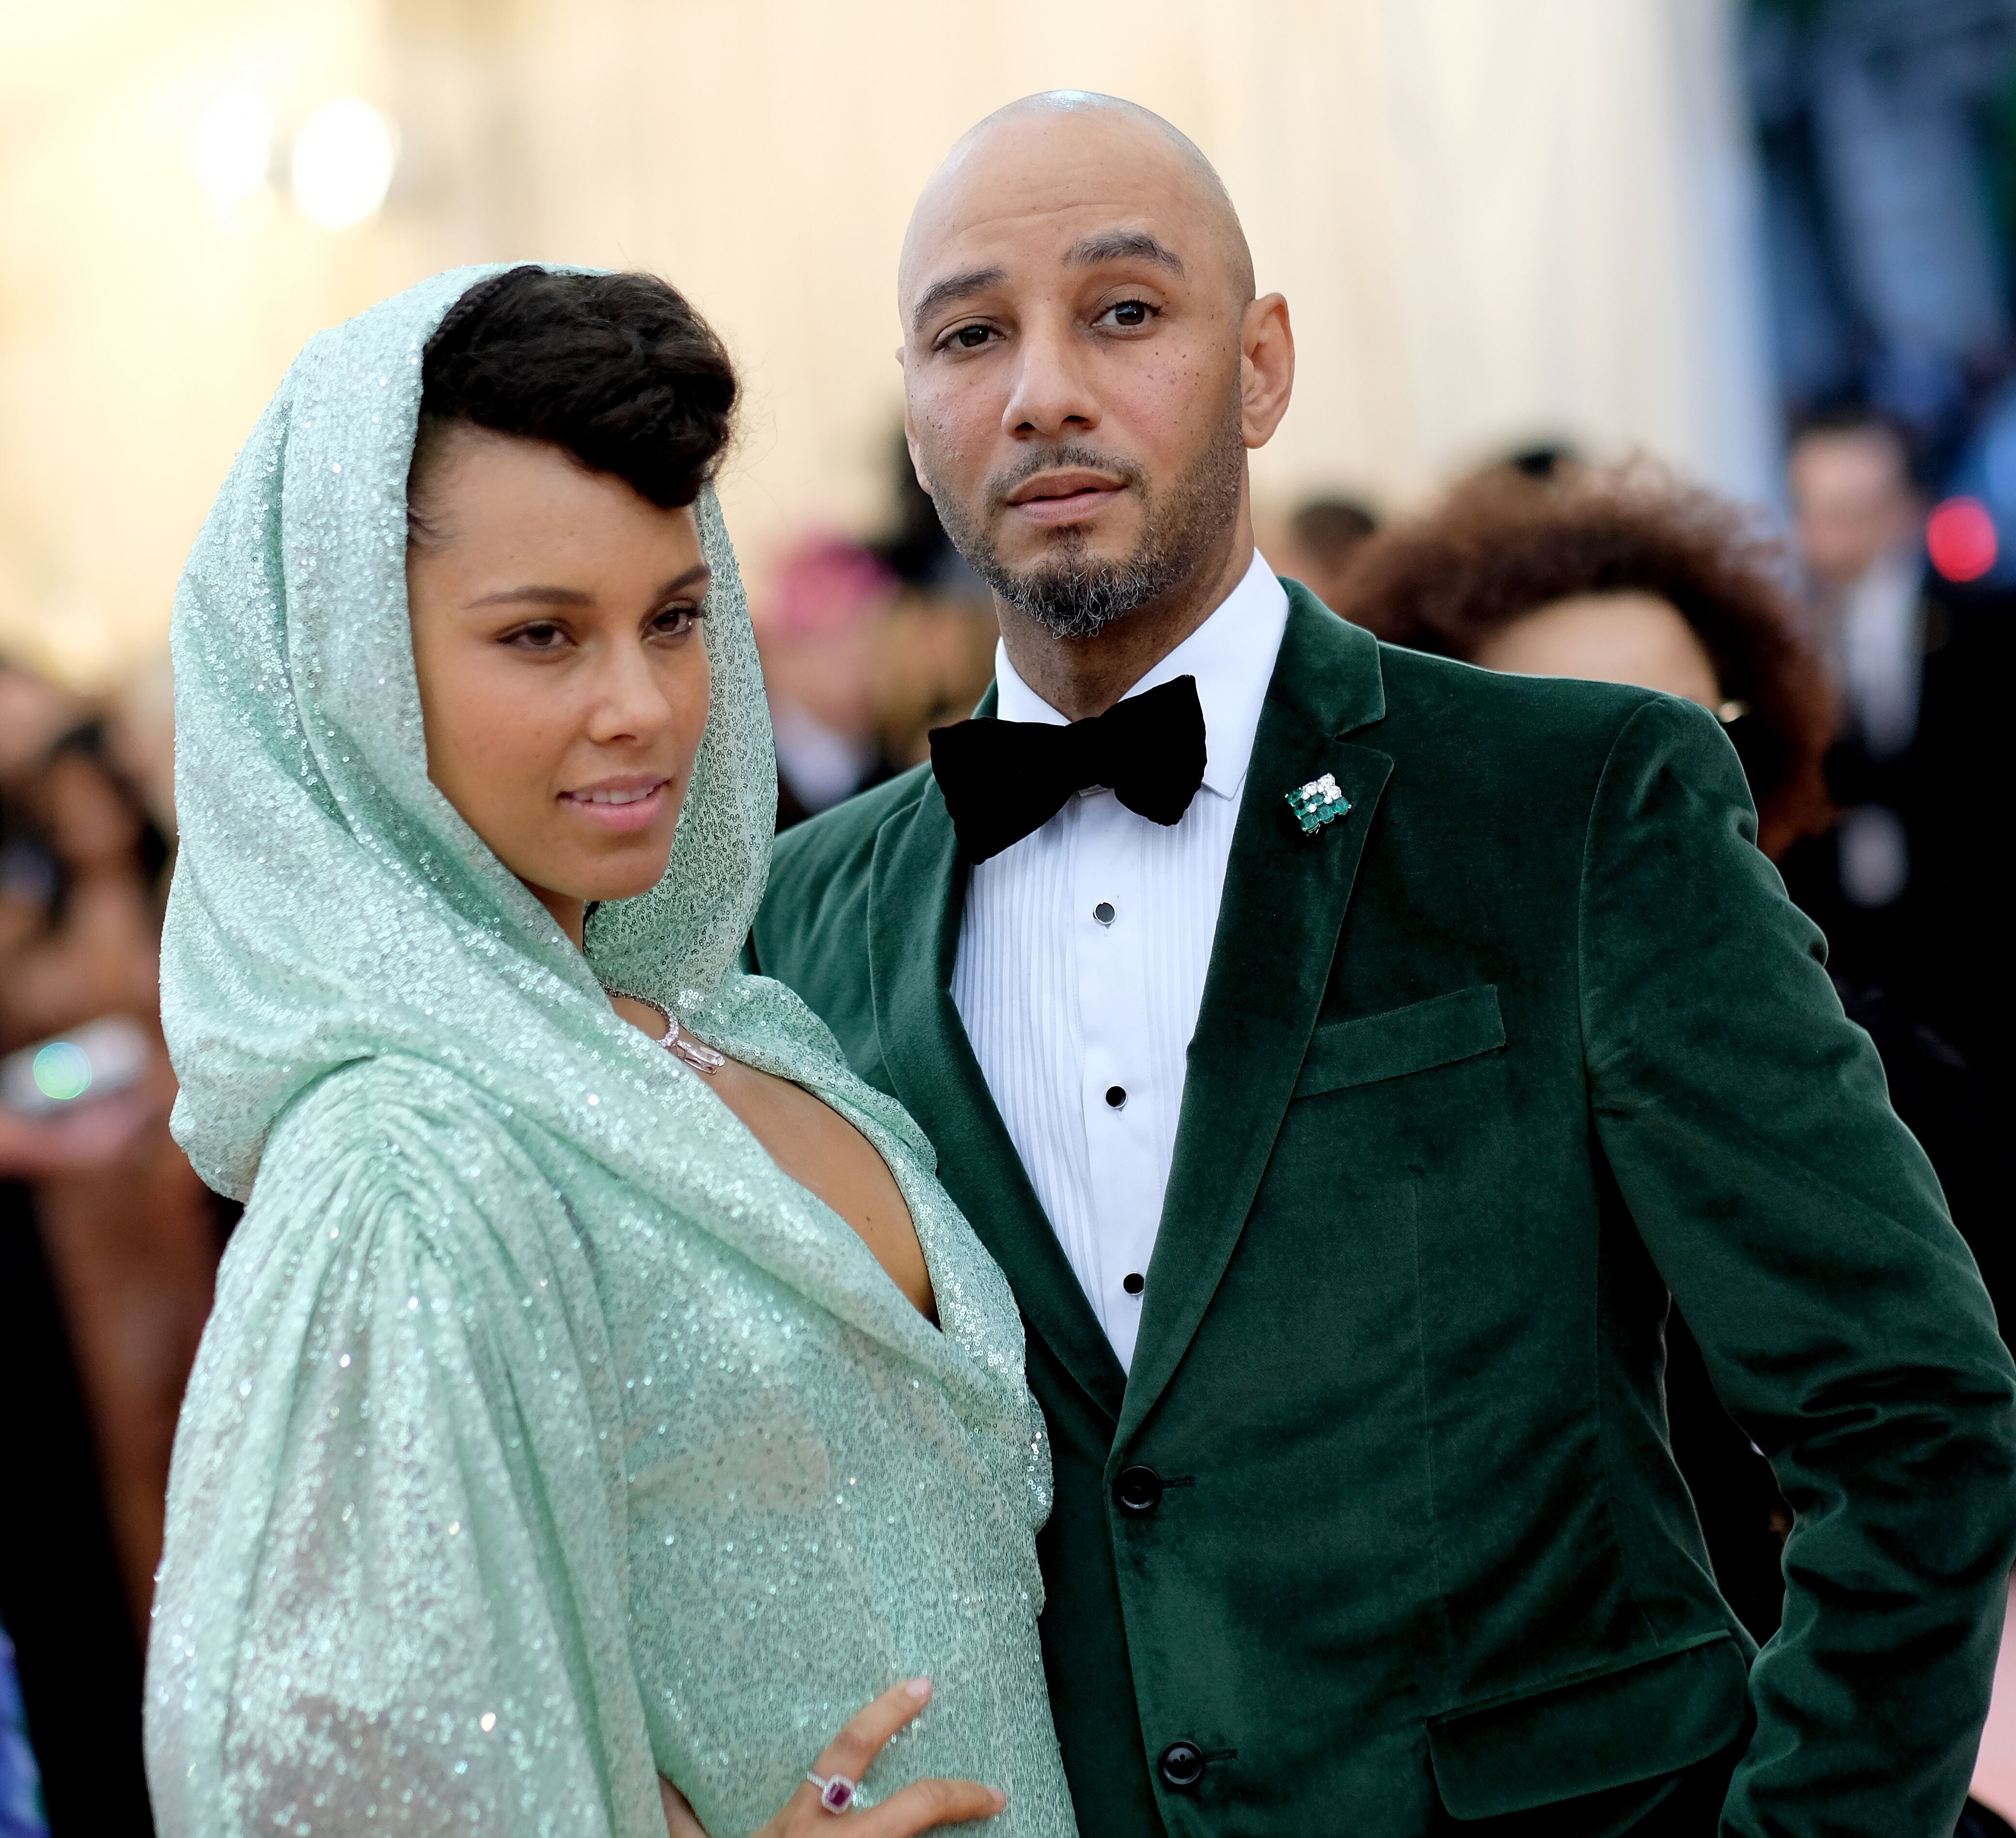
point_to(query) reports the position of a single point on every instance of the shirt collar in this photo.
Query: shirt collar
(1231, 655)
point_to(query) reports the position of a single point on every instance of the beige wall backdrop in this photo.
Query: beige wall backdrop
(1493, 219)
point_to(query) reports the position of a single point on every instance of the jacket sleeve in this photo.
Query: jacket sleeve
(392, 1590)
(1843, 1325)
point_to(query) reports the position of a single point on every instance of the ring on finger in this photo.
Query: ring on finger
(836, 1791)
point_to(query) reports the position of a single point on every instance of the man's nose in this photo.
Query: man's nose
(1052, 394)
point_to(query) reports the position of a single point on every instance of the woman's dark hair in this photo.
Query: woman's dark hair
(1506, 543)
(616, 369)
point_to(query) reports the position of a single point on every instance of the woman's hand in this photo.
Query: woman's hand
(915, 1808)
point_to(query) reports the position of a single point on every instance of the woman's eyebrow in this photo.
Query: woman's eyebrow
(699, 575)
(538, 594)
(535, 595)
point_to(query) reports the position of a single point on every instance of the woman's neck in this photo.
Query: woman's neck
(570, 915)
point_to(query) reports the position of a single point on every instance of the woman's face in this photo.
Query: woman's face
(563, 681)
(1634, 638)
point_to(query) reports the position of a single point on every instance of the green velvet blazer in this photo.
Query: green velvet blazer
(1383, 1526)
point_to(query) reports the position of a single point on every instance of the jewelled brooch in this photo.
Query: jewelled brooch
(1319, 802)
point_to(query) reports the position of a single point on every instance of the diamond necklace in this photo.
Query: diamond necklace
(696, 1054)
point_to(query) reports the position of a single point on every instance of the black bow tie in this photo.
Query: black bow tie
(1005, 779)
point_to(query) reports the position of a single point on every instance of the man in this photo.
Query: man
(1907, 884)
(1343, 1091)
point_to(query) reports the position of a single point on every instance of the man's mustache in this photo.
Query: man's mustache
(1050, 459)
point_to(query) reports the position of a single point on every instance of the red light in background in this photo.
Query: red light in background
(1960, 536)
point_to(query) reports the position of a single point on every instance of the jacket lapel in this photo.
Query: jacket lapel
(916, 893)
(1283, 904)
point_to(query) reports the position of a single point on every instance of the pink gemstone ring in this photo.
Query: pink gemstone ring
(836, 1791)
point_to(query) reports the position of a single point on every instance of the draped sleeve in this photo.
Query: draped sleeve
(395, 1592)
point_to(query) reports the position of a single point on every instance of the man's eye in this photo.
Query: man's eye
(1131, 313)
(969, 337)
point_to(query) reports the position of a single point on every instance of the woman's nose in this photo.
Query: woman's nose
(631, 703)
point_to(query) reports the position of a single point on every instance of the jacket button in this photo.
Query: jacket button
(1139, 1490)
(1181, 1766)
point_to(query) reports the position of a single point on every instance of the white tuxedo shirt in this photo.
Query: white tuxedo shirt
(1082, 959)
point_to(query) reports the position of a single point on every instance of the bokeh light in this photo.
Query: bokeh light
(343, 163)
(1959, 536)
(233, 146)
(62, 1071)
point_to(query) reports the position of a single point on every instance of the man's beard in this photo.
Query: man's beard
(1077, 596)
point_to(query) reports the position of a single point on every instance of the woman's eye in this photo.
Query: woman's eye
(1131, 313)
(674, 622)
(540, 637)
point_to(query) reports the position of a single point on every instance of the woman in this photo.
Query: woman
(572, 1412)
(1622, 575)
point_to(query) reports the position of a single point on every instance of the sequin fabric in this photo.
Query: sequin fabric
(545, 1436)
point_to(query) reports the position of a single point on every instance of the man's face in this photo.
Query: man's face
(1072, 365)
(1854, 500)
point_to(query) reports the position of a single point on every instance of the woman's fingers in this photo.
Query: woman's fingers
(680, 1820)
(917, 1807)
(863, 1739)
(922, 1805)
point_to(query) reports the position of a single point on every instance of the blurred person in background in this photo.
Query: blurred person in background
(77, 1496)
(822, 635)
(1861, 532)
(1903, 885)
(22, 1813)
(133, 1244)
(1624, 574)
(1316, 541)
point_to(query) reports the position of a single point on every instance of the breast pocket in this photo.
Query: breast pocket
(1436, 1032)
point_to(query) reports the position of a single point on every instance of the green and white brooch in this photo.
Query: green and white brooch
(1317, 803)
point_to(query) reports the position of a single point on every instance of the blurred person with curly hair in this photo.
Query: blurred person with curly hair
(1618, 574)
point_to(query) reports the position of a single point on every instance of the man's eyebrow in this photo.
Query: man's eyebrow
(1123, 246)
(953, 287)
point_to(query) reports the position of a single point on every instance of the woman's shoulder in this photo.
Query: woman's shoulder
(393, 1135)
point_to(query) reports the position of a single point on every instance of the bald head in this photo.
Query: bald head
(1074, 144)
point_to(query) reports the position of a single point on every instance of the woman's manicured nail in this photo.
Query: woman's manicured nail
(918, 1688)
(1000, 1798)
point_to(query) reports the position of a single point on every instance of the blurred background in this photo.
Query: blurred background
(1741, 273)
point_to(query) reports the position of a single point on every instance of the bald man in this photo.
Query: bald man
(1345, 1053)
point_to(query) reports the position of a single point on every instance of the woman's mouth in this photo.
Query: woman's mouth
(625, 803)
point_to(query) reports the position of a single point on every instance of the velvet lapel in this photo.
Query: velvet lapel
(1285, 893)
(916, 891)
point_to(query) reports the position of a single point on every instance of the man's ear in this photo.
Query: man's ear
(1266, 368)
(910, 441)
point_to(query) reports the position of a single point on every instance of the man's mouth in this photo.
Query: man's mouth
(1064, 495)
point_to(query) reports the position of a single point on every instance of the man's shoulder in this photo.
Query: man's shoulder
(1425, 691)
(829, 843)
(819, 870)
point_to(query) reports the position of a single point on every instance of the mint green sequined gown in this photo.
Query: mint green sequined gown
(544, 1437)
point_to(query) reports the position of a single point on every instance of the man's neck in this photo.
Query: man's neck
(1080, 677)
